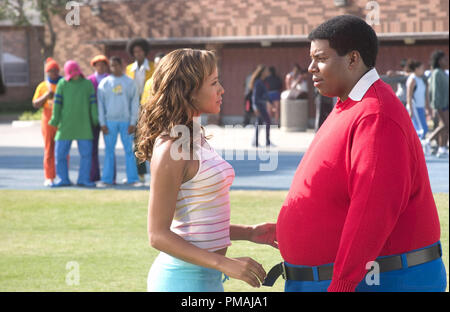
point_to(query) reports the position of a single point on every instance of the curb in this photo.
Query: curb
(25, 123)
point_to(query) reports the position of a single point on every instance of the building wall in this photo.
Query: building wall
(157, 19)
(22, 42)
(205, 18)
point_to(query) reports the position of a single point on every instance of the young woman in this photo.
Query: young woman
(260, 102)
(189, 208)
(416, 100)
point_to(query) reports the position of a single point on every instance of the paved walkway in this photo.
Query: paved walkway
(21, 154)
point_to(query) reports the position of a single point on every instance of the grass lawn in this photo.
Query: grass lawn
(104, 232)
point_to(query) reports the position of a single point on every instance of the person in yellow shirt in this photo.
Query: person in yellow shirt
(148, 84)
(43, 97)
(141, 70)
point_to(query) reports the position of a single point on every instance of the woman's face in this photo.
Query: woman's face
(208, 98)
(265, 73)
(419, 70)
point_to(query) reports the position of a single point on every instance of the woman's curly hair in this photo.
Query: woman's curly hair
(176, 79)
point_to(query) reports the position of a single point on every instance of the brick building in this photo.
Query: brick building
(21, 64)
(248, 32)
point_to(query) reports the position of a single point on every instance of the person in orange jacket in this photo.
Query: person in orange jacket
(43, 97)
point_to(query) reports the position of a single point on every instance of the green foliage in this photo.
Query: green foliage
(31, 115)
(18, 11)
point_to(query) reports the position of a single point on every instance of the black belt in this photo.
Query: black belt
(325, 272)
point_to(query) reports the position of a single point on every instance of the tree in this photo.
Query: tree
(20, 13)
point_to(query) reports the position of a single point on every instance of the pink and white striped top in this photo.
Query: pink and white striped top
(202, 214)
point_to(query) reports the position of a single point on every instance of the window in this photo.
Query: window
(15, 70)
(14, 67)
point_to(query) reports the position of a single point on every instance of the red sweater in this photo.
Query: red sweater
(361, 191)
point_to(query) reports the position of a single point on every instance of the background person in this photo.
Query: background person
(260, 102)
(140, 71)
(101, 65)
(74, 113)
(439, 94)
(148, 84)
(417, 102)
(43, 97)
(118, 104)
(274, 87)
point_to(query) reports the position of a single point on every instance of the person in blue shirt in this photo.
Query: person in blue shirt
(118, 106)
(260, 101)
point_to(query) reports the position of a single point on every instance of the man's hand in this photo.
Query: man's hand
(50, 94)
(105, 130)
(131, 129)
(264, 233)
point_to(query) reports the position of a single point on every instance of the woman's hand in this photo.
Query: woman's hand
(264, 233)
(245, 269)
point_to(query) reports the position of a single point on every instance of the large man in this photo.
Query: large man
(361, 192)
(140, 71)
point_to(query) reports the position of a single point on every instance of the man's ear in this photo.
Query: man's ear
(354, 58)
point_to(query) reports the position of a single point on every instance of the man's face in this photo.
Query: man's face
(139, 54)
(329, 70)
(101, 67)
(116, 68)
(53, 74)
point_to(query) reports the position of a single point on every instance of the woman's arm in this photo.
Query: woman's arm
(264, 233)
(167, 176)
(410, 84)
(427, 102)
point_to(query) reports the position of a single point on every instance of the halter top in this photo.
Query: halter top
(202, 215)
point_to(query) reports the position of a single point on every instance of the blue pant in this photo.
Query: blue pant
(114, 129)
(419, 121)
(263, 117)
(427, 277)
(62, 149)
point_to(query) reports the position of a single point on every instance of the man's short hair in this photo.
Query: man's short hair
(116, 59)
(346, 33)
(141, 42)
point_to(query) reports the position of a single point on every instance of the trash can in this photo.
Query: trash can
(294, 115)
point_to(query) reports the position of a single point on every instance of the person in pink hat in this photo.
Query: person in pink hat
(74, 113)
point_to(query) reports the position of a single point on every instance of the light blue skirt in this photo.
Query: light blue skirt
(169, 274)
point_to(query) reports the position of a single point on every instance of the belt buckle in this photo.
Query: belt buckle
(283, 272)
